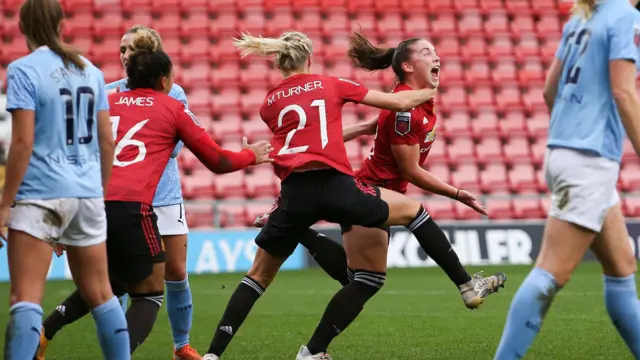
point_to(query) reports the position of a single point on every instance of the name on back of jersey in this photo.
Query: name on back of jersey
(294, 90)
(139, 101)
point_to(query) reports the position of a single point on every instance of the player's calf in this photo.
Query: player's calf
(142, 315)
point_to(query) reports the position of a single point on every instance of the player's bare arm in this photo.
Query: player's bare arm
(107, 147)
(23, 128)
(551, 84)
(400, 101)
(408, 158)
(364, 128)
(625, 94)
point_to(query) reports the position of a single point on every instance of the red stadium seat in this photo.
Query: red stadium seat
(504, 72)
(416, 24)
(255, 74)
(199, 215)
(633, 206)
(444, 24)
(228, 128)
(527, 47)
(280, 21)
(542, 181)
(440, 209)
(533, 99)
(508, 97)
(365, 22)
(476, 46)
(389, 23)
(466, 177)
(112, 72)
(482, 97)
(197, 75)
(478, 73)
(355, 5)
(630, 177)
(538, 124)
(486, 124)
(199, 184)
(470, 23)
(457, 125)
(309, 20)
(527, 208)
(538, 150)
(231, 214)
(489, 150)
(513, 124)
(77, 5)
(549, 47)
(226, 74)
(531, 71)
(522, 24)
(195, 50)
(80, 23)
(628, 153)
(337, 47)
(463, 212)
(106, 51)
(199, 99)
(252, 21)
(251, 101)
(454, 73)
(519, 7)
(544, 7)
(441, 171)
(165, 6)
(262, 183)
(522, 179)
(108, 25)
(229, 185)
(493, 179)
(84, 43)
(141, 18)
(225, 23)
(454, 97)
(517, 151)
(499, 208)
(497, 21)
(255, 129)
(437, 154)
(195, 25)
(444, 6)
(335, 22)
(255, 210)
(448, 46)
(548, 24)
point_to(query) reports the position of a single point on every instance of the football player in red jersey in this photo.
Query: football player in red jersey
(403, 141)
(304, 113)
(147, 124)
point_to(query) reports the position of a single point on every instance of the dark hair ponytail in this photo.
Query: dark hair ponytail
(40, 23)
(367, 56)
(147, 65)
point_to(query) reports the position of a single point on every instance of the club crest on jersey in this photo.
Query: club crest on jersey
(193, 117)
(403, 123)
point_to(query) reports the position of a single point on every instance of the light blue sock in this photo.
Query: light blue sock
(528, 309)
(112, 330)
(623, 306)
(23, 331)
(180, 311)
(124, 301)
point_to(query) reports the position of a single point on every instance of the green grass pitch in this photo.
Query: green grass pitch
(418, 315)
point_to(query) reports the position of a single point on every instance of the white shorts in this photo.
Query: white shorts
(172, 220)
(583, 186)
(68, 221)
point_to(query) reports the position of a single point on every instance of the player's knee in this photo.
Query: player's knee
(373, 279)
(151, 298)
(97, 296)
(624, 265)
(175, 271)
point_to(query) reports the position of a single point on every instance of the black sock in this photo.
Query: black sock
(328, 254)
(239, 306)
(345, 306)
(350, 274)
(72, 309)
(141, 316)
(436, 245)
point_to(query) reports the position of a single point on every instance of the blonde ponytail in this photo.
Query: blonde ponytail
(583, 8)
(292, 49)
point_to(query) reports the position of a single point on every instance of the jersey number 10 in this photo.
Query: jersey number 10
(70, 117)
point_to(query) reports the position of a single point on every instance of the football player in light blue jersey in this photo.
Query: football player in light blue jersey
(592, 96)
(168, 206)
(59, 163)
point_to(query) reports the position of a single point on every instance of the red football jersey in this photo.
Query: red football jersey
(417, 126)
(147, 125)
(304, 112)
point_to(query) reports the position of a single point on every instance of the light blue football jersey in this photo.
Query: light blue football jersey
(169, 191)
(66, 155)
(585, 116)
